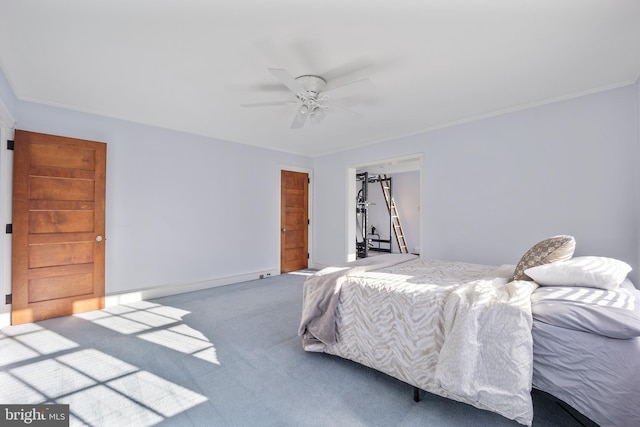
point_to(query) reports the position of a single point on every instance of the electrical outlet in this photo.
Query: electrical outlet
(262, 276)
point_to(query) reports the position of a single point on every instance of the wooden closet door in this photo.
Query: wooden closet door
(294, 231)
(58, 226)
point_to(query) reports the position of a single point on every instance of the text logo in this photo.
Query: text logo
(35, 415)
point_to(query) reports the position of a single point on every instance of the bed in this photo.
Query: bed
(590, 359)
(471, 333)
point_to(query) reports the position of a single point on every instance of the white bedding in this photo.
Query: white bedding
(459, 330)
(597, 375)
(586, 350)
(610, 313)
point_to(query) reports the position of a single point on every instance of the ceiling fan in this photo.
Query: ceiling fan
(313, 96)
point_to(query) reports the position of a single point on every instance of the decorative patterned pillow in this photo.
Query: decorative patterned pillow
(556, 248)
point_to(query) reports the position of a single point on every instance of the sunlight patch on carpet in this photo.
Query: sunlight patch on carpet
(52, 378)
(152, 322)
(96, 364)
(184, 339)
(30, 340)
(156, 393)
(102, 405)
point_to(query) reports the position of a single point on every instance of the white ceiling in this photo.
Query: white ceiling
(189, 64)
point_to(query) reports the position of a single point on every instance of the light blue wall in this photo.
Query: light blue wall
(406, 192)
(181, 208)
(6, 93)
(637, 106)
(494, 187)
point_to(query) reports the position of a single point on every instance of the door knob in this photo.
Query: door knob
(284, 230)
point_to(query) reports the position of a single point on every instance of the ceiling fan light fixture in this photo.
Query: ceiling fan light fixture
(317, 115)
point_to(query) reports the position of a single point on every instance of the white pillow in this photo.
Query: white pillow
(588, 271)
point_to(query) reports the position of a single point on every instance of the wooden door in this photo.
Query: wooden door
(294, 220)
(58, 226)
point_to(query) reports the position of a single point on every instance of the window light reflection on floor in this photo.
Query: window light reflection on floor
(12, 351)
(162, 396)
(40, 366)
(96, 364)
(52, 378)
(177, 339)
(15, 391)
(161, 325)
(45, 341)
(114, 409)
(28, 341)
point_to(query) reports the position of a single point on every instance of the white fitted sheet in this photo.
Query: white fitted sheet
(596, 375)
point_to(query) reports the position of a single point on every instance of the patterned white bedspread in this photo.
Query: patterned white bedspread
(459, 330)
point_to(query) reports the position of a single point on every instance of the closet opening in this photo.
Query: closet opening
(384, 207)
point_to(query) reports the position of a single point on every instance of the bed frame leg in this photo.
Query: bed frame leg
(416, 394)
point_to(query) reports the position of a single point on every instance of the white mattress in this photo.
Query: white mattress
(596, 375)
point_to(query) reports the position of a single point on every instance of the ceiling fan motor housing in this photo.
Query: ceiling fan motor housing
(313, 86)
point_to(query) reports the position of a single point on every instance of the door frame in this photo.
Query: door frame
(309, 172)
(412, 162)
(6, 207)
(7, 123)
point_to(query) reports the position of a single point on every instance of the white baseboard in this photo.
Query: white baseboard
(180, 288)
(5, 319)
(317, 266)
(165, 290)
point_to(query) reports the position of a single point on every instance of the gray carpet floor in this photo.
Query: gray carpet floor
(227, 356)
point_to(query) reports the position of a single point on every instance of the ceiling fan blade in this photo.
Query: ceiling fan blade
(268, 104)
(268, 87)
(287, 80)
(352, 115)
(353, 88)
(300, 118)
(357, 66)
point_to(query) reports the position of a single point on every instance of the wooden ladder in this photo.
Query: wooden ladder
(385, 183)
